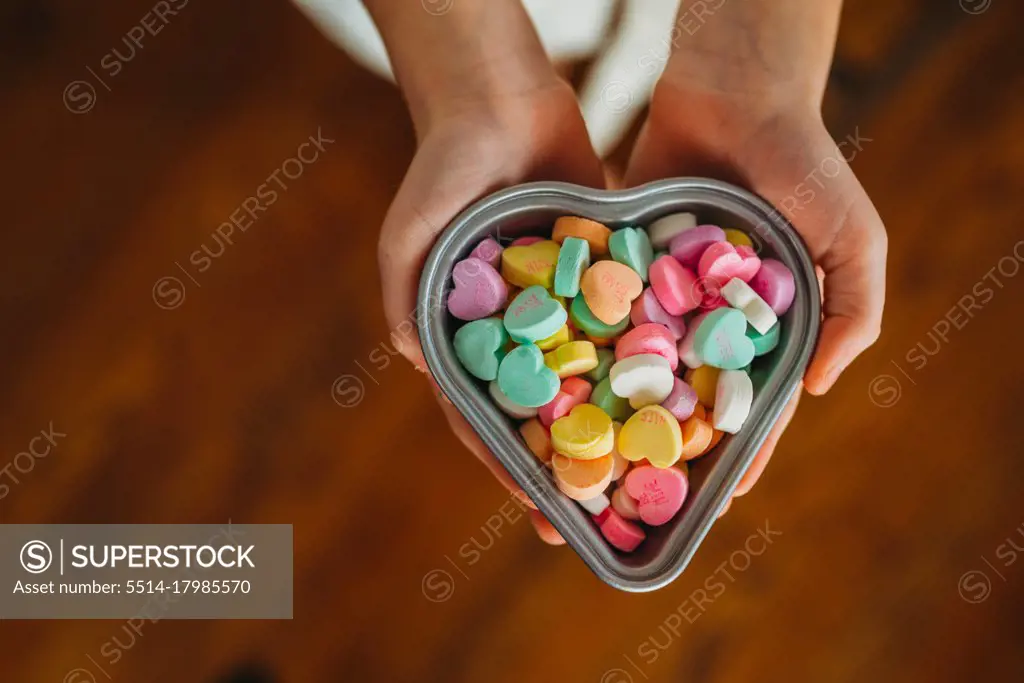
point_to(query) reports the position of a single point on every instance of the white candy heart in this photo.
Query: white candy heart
(645, 379)
(507, 405)
(595, 505)
(733, 395)
(757, 311)
(664, 229)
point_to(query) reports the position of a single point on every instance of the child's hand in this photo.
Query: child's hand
(489, 112)
(788, 158)
(740, 99)
(485, 146)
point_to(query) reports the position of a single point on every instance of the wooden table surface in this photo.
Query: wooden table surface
(209, 397)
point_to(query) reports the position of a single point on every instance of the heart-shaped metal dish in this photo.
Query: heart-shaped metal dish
(532, 209)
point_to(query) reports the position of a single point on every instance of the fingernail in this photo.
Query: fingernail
(521, 496)
(825, 381)
(833, 376)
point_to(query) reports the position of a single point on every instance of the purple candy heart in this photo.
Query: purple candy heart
(688, 247)
(647, 309)
(479, 290)
(682, 401)
(774, 283)
(488, 250)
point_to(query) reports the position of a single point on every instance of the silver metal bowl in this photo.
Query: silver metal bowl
(532, 209)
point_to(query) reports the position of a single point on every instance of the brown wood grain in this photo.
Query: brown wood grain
(222, 407)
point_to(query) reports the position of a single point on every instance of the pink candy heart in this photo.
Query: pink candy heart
(646, 309)
(710, 294)
(687, 355)
(688, 246)
(649, 338)
(723, 261)
(479, 290)
(488, 250)
(659, 492)
(682, 401)
(621, 533)
(774, 283)
(573, 392)
(673, 285)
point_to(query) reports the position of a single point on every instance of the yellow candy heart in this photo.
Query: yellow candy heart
(737, 238)
(584, 434)
(573, 358)
(653, 433)
(704, 381)
(531, 264)
(563, 336)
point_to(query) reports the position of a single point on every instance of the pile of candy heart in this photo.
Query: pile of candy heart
(581, 336)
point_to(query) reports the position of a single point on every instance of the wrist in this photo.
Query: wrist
(475, 57)
(725, 121)
(765, 58)
(501, 98)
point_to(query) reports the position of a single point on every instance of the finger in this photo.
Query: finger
(760, 461)
(728, 505)
(854, 296)
(476, 446)
(544, 529)
(408, 233)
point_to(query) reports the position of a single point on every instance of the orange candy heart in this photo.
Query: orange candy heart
(609, 287)
(697, 435)
(582, 479)
(716, 435)
(537, 439)
(593, 232)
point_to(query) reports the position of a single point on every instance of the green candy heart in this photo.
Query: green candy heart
(533, 315)
(573, 259)
(616, 407)
(764, 343)
(632, 247)
(525, 379)
(605, 361)
(584, 319)
(721, 340)
(480, 347)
